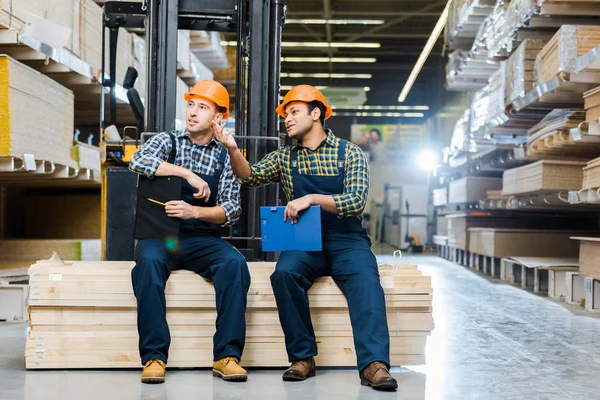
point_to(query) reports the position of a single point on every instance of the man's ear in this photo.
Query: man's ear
(219, 117)
(316, 116)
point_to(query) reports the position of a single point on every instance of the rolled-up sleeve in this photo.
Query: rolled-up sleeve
(146, 159)
(229, 194)
(356, 184)
(265, 171)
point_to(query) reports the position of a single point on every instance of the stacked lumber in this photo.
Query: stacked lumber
(497, 28)
(544, 175)
(86, 157)
(440, 196)
(207, 47)
(495, 242)
(589, 256)
(83, 315)
(468, 70)
(553, 136)
(591, 175)
(464, 19)
(39, 249)
(591, 104)
(520, 69)
(472, 188)
(47, 133)
(560, 53)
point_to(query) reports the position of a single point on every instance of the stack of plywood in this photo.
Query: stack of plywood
(589, 257)
(472, 188)
(544, 175)
(591, 104)
(464, 19)
(494, 242)
(47, 132)
(591, 175)
(83, 315)
(561, 52)
(520, 69)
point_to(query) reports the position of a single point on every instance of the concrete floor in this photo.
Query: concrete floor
(491, 341)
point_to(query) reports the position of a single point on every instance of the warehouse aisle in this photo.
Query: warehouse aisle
(491, 341)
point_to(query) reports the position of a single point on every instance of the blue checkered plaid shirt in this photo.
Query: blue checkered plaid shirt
(198, 159)
(275, 167)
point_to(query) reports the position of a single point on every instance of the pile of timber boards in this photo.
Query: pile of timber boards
(589, 256)
(591, 175)
(561, 52)
(47, 132)
(544, 175)
(83, 315)
(494, 242)
(471, 189)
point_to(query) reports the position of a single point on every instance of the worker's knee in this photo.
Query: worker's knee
(151, 266)
(235, 266)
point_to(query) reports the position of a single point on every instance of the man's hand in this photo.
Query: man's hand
(223, 135)
(203, 191)
(294, 207)
(181, 209)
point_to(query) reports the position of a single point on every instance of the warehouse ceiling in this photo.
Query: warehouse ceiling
(397, 30)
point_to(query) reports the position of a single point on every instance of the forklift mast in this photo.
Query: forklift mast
(258, 25)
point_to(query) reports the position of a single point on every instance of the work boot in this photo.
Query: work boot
(300, 370)
(378, 377)
(154, 372)
(229, 369)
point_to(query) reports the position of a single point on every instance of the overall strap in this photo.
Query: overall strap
(342, 155)
(173, 152)
(221, 161)
(294, 157)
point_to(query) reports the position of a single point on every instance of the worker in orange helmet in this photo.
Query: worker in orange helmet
(321, 169)
(210, 197)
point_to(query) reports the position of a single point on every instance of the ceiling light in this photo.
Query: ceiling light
(395, 108)
(367, 88)
(289, 87)
(378, 114)
(325, 75)
(329, 59)
(435, 34)
(368, 45)
(316, 21)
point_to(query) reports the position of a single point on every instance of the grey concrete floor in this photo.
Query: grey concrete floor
(491, 341)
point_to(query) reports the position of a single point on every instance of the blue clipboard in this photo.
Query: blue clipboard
(281, 236)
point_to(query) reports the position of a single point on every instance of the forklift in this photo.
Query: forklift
(258, 25)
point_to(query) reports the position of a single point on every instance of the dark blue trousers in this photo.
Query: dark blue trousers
(348, 259)
(210, 257)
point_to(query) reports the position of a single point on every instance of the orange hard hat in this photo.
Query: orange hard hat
(213, 91)
(305, 93)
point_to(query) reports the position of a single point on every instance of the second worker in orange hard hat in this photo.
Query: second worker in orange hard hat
(210, 196)
(321, 169)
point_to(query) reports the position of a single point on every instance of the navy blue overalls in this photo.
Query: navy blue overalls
(202, 251)
(348, 259)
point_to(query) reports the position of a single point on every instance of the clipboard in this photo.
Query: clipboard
(151, 220)
(277, 235)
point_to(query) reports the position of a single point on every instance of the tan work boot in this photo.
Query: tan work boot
(378, 377)
(229, 369)
(154, 372)
(300, 370)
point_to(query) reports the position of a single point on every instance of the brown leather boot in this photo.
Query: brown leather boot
(229, 369)
(154, 372)
(378, 377)
(300, 370)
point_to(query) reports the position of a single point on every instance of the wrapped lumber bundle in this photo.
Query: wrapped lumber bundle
(83, 315)
(544, 175)
(591, 101)
(559, 55)
(47, 133)
(589, 254)
(471, 188)
(479, 112)
(496, 29)
(496, 114)
(464, 19)
(461, 135)
(500, 242)
(520, 69)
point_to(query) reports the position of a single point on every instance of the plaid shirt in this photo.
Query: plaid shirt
(196, 158)
(275, 167)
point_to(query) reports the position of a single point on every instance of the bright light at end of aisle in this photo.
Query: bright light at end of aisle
(427, 160)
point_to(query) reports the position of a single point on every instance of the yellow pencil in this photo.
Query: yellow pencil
(157, 202)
